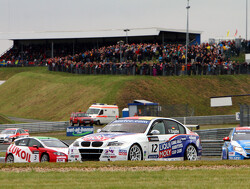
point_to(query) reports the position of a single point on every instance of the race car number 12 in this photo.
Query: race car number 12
(154, 147)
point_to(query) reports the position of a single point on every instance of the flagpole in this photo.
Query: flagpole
(246, 17)
(187, 35)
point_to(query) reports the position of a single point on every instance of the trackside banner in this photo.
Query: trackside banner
(80, 131)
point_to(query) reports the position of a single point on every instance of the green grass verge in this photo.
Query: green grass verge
(236, 178)
(39, 94)
(5, 120)
(204, 127)
(2, 154)
(200, 174)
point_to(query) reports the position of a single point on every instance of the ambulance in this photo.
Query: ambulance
(103, 113)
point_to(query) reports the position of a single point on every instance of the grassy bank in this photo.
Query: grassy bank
(39, 94)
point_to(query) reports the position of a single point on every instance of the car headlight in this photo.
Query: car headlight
(59, 153)
(238, 149)
(115, 143)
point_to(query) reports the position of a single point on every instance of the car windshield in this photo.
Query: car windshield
(241, 136)
(128, 126)
(93, 111)
(82, 115)
(8, 132)
(54, 143)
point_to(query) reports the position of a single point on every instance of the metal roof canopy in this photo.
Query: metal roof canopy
(143, 102)
(133, 32)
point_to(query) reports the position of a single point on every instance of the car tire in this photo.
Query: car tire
(45, 158)
(78, 123)
(10, 159)
(190, 153)
(135, 153)
(71, 123)
(98, 122)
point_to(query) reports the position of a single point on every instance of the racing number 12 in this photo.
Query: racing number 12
(154, 147)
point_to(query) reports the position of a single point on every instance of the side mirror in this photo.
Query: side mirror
(35, 146)
(155, 132)
(98, 130)
(226, 139)
(18, 134)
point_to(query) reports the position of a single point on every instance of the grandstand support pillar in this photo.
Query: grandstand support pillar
(163, 38)
(52, 49)
(73, 52)
(126, 30)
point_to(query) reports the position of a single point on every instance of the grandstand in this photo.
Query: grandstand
(54, 43)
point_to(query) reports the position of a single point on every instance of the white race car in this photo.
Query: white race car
(138, 138)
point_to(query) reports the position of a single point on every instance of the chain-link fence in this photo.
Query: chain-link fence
(176, 110)
(244, 115)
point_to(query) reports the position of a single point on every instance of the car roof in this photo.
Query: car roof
(42, 137)
(11, 128)
(143, 118)
(242, 129)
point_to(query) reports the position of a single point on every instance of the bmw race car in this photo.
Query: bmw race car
(37, 149)
(138, 138)
(9, 135)
(237, 145)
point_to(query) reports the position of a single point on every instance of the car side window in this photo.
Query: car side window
(181, 128)
(22, 131)
(172, 127)
(33, 142)
(101, 112)
(22, 142)
(159, 126)
(18, 131)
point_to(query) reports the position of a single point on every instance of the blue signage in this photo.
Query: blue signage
(79, 131)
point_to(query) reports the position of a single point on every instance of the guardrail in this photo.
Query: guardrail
(212, 140)
(206, 120)
(39, 126)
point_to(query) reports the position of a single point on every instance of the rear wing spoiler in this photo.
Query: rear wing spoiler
(197, 127)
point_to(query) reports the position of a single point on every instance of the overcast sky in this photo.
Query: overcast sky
(213, 17)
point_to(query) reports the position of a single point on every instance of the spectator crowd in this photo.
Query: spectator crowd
(144, 59)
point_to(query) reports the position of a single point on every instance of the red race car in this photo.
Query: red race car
(37, 149)
(9, 135)
(80, 118)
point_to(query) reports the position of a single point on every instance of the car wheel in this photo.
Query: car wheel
(98, 122)
(71, 123)
(190, 153)
(78, 123)
(135, 153)
(10, 159)
(45, 158)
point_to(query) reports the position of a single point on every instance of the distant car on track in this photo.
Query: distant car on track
(80, 118)
(37, 149)
(237, 144)
(138, 138)
(9, 135)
